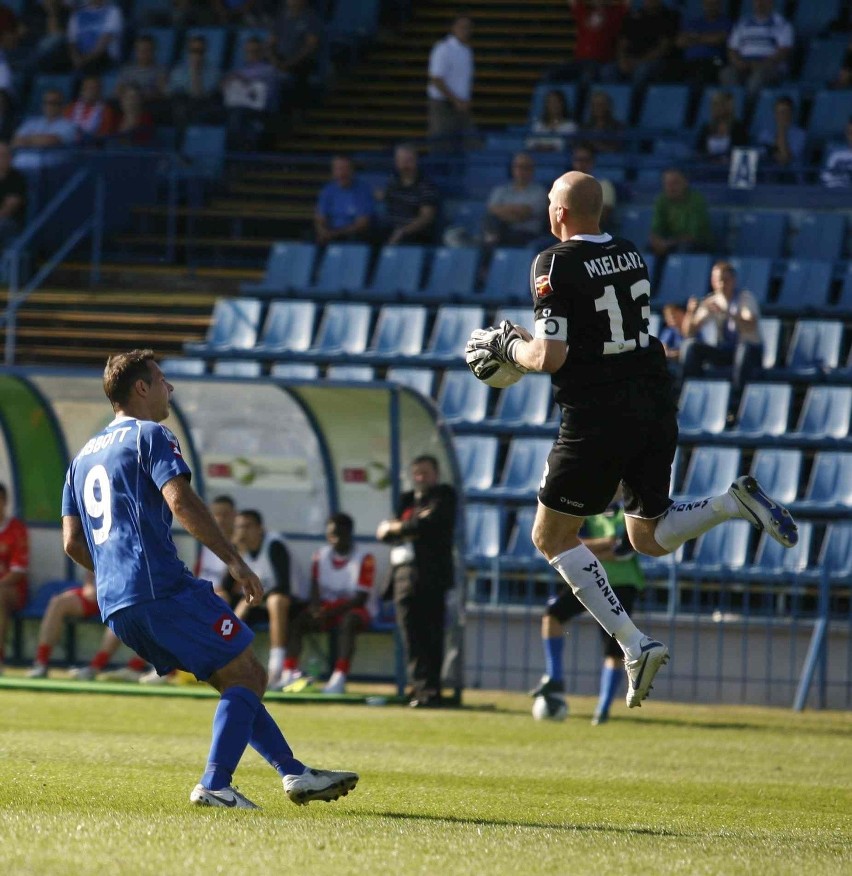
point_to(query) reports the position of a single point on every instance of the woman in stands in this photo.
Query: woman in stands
(555, 119)
(602, 120)
(723, 131)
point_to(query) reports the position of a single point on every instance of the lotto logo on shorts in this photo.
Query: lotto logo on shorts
(226, 627)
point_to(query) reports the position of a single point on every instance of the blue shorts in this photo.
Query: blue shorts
(193, 630)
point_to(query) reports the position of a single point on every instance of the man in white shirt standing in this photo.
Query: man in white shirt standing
(450, 86)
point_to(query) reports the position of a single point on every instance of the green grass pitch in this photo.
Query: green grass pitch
(100, 784)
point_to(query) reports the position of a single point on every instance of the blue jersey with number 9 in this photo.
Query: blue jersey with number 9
(113, 485)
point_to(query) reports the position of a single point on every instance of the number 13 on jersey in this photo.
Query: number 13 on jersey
(618, 343)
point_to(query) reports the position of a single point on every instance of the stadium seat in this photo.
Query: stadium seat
(289, 327)
(761, 234)
(508, 279)
(813, 349)
(754, 273)
(778, 470)
(164, 42)
(664, 107)
(527, 403)
(343, 268)
(570, 91)
(482, 532)
(351, 373)
(829, 113)
(466, 215)
(203, 148)
(520, 550)
(453, 275)
(398, 272)
(183, 367)
(829, 486)
(703, 407)
(451, 331)
(805, 287)
(237, 368)
(683, 277)
(719, 552)
(477, 459)
(399, 332)
(420, 379)
(774, 562)
(462, 398)
(233, 326)
(824, 58)
(516, 315)
(710, 472)
(835, 556)
(811, 18)
(522, 469)
(770, 334)
(288, 266)
(295, 370)
(824, 417)
(820, 236)
(635, 225)
(343, 331)
(217, 44)
(764, 110)
(764, 412)
(843, 306)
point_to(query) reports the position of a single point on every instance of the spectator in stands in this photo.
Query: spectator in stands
(342, 575)
(516, 210)
(722, 132)
(345, 206)
(295, 43)
(555, 120)
(411, 201)
(14, 564)
(783, 142)
(602, 123)
(735, 314)
(583, 160)
(250, 95)
(91, 115)
(598, 25)
(680, 222)
(267, 555)
(135, 125)
(80, 603)
(95, 31)
(39, 138)
(450, 87)
(143, 71)
(7, 117)
(671, 334)
(702, 41)
(646, 45)
(51, 51)
(758, 49)
(13, 197)
(838, 165)
(421, 535)
(193, 85)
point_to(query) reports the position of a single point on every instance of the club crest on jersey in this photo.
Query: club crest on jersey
(175, 448)
(542, 286)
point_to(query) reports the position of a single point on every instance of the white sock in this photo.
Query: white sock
(586, 576)
(686, 520)
(276, 662)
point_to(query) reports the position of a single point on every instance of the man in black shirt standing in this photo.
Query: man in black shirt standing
(411, 202)
(13, 197)
(421, 573)
(591, 296)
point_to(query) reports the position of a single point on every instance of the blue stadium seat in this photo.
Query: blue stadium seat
(398, 272)
(824, 417)
(343, 268)
(835, 556)
(462, 398)
(778, 470)
(520, 550)
(233, 326)
(664, 107)
(820, 236)
(770, 334)
(477, 460)
(183, 367)
(482, 532)
(516, 315)
(152, 10)
(467, 215)
(399, 331)
(289, 327)
(527, 403)
(703, 114)
(204, 148)
(450, 332)
(522, 469)
(635, 225)
(288, 266)
(420, 379)
(829, 486)
(703, 407)
(829, 113)
(843, 307)
(295, 370)
(774, 562)
(453, 275)
(764, 411)
(237, 368)
(508, 279)
(343, 330)
(570, 91)
(805, 287)
(764, 110)
(810, 18)
(719, 552)
(351, 373)
(755, 274)
(814, 348)
(761, 234)
(710, 472)
(63, 82)
(164, 39)
(683, 277)
(217, 45)
(824, 58)
(620, 94)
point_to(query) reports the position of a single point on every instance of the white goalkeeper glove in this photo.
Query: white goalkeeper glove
(487, 348)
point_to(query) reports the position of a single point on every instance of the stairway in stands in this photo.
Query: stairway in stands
(379, 102)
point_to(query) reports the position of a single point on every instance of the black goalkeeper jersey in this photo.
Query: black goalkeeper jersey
(593, 292)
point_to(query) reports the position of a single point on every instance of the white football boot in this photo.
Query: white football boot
(228, 797)
(125, 673)
(764, 512)
(641, 671)
(319, 785)
(38, 670)
(336, 684)
(83, 673)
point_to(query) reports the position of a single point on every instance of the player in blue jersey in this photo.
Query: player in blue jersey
(121, 493)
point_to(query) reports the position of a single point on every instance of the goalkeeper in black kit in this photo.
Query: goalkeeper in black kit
(591, 297)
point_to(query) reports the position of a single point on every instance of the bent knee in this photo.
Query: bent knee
(648, 545)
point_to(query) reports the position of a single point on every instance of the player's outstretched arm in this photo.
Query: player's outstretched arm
(74, 542)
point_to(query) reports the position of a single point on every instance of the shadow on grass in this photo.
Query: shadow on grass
(498, 822)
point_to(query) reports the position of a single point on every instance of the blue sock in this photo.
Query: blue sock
(610, 680)
(232, 727)
(269, 742)
(553, 649)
